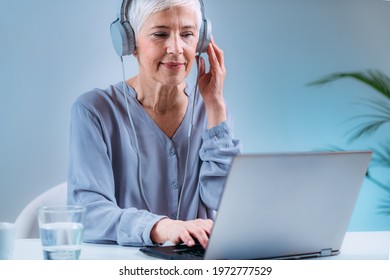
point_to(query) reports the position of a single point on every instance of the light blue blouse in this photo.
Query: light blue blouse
(103, 166)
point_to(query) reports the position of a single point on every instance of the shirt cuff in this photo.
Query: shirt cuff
(218, 131)
(148, 228)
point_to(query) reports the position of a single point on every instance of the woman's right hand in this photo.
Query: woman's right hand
(186, 232)
(211, 84)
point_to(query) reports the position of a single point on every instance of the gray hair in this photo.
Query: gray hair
(141, 10)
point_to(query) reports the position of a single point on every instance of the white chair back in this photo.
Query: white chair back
(26, 224)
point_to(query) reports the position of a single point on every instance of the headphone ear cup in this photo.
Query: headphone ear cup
(123, 38)
(130, 38)
(204, 36)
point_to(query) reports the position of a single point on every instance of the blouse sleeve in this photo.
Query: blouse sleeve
(91, 183)
(216, 153)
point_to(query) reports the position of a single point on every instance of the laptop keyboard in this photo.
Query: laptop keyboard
(196, 252)
(178, 252)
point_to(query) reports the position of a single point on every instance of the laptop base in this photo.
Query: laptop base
(183, 252)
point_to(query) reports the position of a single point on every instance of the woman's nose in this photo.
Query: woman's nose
(174, 45)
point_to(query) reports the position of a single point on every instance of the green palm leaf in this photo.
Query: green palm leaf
(384, 207)
(376, 80)
(381, 157)
(369, 127)
(373, 78)
(370, 123)
(378, 106)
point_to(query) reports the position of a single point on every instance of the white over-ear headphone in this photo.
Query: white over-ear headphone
(123, 37)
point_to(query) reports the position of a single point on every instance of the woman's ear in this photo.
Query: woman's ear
(135, 52)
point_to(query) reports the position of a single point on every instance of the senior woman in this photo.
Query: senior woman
(149, 185)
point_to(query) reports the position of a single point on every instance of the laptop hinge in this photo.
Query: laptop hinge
(326, 252)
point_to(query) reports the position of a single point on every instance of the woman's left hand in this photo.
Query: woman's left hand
(211, 84)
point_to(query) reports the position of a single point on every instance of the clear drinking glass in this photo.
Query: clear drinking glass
(61, 231)
(7, 236)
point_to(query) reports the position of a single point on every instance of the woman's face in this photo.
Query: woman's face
(166, 45)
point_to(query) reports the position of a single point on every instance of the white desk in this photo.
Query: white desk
(356, 246)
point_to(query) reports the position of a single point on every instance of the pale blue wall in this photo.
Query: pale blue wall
(52, 51)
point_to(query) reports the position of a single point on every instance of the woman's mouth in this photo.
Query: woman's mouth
(173, 65)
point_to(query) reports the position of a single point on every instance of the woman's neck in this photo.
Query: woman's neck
(160, 99)
(165, 105)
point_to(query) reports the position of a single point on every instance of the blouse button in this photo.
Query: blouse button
(172, 152)
(174, 185)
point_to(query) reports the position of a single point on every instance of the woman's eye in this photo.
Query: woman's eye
(160, 35)
(187, 34)
(163, 35)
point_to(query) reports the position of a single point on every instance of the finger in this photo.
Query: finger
(214, 63)
(209, 226)
(186, 238)
(201, 65)
(202, 237)
(187, 232)
(217, 67)
(219, 53)
(215, 53)
(206, 224)
(199, 233)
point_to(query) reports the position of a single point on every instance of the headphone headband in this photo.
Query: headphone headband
(124, 9)
(123, 38)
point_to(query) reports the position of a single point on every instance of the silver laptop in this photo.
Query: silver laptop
(286, 205)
